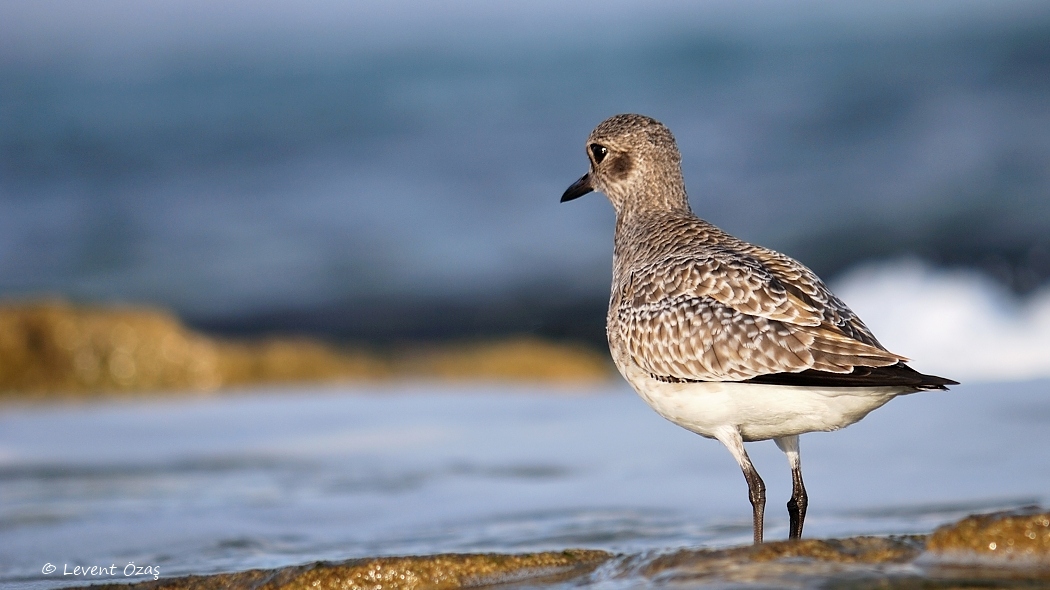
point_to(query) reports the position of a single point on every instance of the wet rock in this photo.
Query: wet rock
(1006, 550)
(860, 563)
(1005, 538)
(437, 572)
(808, 559)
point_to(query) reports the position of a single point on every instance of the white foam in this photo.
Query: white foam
(954, 323)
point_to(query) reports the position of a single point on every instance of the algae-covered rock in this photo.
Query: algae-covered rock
(769, 562)
(1021, 538)
(857, 563)
(55, 348)
(291, 360)
(435, 572)
(518, 358)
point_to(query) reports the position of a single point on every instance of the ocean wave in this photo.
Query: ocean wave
(955, 323)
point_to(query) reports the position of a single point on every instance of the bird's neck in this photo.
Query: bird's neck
(661, 191)
(643, 234)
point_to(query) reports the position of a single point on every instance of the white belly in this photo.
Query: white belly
(759, 412)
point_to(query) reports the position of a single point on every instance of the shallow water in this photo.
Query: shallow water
(278, 477)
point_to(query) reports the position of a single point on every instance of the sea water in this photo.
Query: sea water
(236, 177)
(275, 477)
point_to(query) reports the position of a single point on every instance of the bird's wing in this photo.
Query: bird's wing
(730, 316)
(808, 287)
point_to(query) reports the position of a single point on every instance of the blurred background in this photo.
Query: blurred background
(383, 172)
(198, 195)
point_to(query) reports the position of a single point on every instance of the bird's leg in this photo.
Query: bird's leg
(756, 488)
(799, 500)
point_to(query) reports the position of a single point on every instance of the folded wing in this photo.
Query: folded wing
(735, 316)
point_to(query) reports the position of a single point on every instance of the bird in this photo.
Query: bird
(727, 339)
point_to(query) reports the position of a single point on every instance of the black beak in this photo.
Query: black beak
(578, 189)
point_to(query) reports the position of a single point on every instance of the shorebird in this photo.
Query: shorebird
(724, 338)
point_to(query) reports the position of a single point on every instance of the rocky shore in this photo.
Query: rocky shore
(57, 349)
(1004, 550)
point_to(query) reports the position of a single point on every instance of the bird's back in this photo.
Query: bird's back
(692, 303)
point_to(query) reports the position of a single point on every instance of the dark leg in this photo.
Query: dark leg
(756, 490)
(797, 504)
(799, 500)
(755, 486)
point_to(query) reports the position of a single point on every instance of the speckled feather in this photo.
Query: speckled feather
(709, 307)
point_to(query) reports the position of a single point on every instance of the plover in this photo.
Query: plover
(727, 339)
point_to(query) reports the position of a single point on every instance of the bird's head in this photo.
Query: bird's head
(635, 162)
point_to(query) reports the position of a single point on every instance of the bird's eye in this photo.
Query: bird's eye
(599, 152)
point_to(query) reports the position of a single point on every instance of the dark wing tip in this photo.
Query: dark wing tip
(935, 382)
(898, 374)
